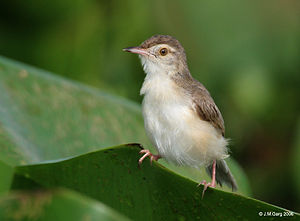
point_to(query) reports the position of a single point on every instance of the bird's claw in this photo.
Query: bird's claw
(146, 154)
(206, 185)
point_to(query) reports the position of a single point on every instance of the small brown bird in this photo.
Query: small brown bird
(181, 119)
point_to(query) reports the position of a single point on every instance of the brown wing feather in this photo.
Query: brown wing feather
(203, 103)
(207, 109)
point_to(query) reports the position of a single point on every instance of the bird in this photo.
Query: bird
(181, 118)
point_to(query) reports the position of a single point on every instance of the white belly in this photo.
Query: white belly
(176, 131)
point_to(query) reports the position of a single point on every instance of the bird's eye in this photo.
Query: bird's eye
(163, 51)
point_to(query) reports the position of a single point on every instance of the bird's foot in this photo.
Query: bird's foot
(147, 153)
(212, 184)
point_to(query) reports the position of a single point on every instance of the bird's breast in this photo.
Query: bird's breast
(165, 102)
(166, 111)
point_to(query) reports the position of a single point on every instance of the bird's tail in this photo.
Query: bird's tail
(223, 174)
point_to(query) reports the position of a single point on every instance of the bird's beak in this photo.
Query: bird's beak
(137, 50)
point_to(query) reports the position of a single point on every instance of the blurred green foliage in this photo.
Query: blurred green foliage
(47, 205)
(247, 53)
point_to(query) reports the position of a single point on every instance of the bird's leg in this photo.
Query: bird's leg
(213, 180)
(146, 154)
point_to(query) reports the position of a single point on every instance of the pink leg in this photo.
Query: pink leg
(213, 180)
(146, 154)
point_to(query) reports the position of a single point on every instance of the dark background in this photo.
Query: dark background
(247, 53)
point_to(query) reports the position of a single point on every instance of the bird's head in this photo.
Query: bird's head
(161, 54)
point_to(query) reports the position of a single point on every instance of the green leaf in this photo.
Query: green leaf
(149, 193)
(6, 175)
(54, 205)
(46, 117)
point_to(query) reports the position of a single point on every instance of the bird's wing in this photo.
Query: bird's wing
(206, 108)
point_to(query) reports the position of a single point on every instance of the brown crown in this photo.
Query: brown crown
(162, 39)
